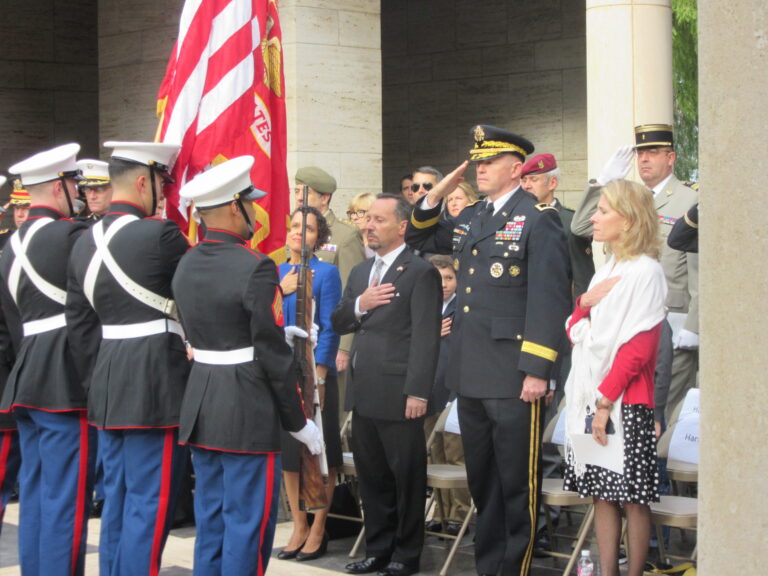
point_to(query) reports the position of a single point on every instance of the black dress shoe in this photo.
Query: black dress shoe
(319, 553)
(433, 526)
(398, 569)
(285, 554)
(371, 564)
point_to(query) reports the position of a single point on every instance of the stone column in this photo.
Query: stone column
(332, 53)
(629, 72)
(733, 49)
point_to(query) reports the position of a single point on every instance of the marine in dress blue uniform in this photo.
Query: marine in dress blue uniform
(43, 390)
(9, 439)
(131, 355)
(243, 386)
(513, 297)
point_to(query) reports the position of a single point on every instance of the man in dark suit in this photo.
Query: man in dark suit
(513, 297)
(392, 305)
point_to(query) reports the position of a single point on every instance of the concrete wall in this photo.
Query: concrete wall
(450, 64)
(135, 41)
(333, 91)
(48, 66)
(733, 509)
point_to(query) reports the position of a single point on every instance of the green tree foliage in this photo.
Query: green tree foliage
(686, 89)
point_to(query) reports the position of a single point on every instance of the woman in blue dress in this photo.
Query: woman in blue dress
(310, 543)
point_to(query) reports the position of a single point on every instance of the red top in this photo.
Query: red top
(633, 367)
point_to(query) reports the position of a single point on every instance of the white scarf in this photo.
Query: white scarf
(635, 304)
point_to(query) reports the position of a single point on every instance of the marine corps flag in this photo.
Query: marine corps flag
(222, 97)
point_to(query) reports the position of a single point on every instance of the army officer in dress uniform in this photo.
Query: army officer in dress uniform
(130, 353)
(513, 298)
(43, 390)
(244, 384)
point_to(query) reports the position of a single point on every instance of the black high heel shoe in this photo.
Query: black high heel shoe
(286, 554)
(319, 553)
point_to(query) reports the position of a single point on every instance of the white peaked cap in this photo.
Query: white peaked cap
(48, 165)
(220, 184)
(93, 172)
(147, 153)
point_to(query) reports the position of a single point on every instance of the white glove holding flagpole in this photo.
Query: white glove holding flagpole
(618, 165)
(291, 332)
(310, 436)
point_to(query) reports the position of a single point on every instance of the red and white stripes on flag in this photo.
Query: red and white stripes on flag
(223, 96)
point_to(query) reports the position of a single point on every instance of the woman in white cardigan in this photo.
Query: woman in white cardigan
(615, 329)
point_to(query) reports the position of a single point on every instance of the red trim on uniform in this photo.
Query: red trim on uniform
(46, 208)
(50, 410)
(154, 218)
(254, 252)
(5, 450)
(125, 202)
(203, 446)
(269, 489)
(162, 507)
(277, 307)
(171, 427)
(235, 234)
(82, 477)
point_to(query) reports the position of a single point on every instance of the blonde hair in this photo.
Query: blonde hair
(361, 201)
(470, 193)
(634, 202)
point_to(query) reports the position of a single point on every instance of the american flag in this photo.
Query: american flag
(223, 96)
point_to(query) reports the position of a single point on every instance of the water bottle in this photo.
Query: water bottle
(585, 566)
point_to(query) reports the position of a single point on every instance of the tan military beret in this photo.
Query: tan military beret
(317, 179)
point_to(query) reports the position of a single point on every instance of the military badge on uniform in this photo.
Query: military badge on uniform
(512, 230)
(514, 270)
(514, 247)
(497, 270)
(668, 220)
(456, 264)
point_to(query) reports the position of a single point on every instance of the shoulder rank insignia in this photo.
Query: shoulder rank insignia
(692, 185)
(544, 206)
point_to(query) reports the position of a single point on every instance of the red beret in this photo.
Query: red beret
(539, 164)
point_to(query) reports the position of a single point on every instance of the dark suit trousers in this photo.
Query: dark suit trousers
(391, 462)
(502, 441)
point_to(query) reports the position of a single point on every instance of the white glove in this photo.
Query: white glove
(687, 340)
(291, 332)
(311, 437)
(618, 165)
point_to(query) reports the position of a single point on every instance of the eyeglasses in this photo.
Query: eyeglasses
(427, 186)
(356, 213)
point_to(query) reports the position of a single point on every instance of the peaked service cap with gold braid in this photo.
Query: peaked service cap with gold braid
(491, 142)
(93, 173)
(19, 196)
(651, 135)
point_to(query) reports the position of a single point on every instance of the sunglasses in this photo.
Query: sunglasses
(427, 186)
(356, 213)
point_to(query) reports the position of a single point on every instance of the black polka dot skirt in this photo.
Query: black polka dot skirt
(640, 482)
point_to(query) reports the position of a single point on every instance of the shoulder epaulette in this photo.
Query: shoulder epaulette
(693, 185)
(544, 206)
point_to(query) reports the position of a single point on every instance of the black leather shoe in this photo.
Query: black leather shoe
(290, 554)
(319, 553)
(398, 569)
(433, 526)
(371, 564)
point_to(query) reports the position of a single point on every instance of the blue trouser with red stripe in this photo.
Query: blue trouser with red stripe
(142, 470)
(10, 460)
(53, 495)
(236, 499)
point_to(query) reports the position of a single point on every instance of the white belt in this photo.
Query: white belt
(44, 325)
(125, 331)
(224, 357)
